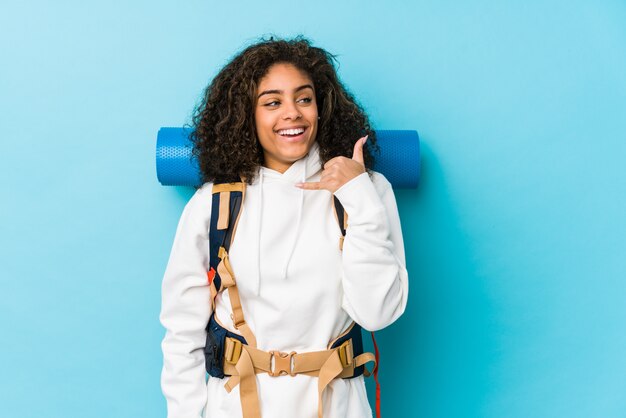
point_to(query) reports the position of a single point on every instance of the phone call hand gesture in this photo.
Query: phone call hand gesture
(339, 170)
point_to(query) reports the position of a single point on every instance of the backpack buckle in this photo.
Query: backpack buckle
(232, 350)
(346, 354)
(281, 364)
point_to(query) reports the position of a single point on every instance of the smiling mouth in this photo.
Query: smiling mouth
(292, 135)
(291, 132)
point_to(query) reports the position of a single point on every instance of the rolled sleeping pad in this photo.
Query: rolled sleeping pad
(398, 161)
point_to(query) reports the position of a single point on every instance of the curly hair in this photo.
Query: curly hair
(224, 135)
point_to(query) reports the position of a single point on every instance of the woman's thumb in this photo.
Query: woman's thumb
(357, 154)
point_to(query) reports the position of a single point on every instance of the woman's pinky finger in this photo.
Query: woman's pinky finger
(309, 185)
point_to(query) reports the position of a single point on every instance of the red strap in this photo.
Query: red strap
(376, 376)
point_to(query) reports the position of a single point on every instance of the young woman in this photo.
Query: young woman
(277, 117)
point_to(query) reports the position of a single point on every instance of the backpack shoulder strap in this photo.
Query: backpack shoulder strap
(226, 207)
(227, 200)
(342, 219)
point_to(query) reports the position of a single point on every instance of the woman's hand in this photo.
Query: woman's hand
(339, 170)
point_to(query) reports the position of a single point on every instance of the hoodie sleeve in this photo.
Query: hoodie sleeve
(185, 311)
(375, 279)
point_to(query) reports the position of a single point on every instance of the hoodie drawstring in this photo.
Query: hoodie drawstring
(259, 223)
(297, 230)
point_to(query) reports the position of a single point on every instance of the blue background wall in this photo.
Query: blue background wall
(516, 239)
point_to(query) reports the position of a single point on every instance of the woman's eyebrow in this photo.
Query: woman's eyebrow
(304, 86)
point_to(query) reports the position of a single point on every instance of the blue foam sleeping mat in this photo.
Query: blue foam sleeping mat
(398, 161)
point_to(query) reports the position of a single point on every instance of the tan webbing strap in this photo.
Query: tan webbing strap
(225, 270)
(330, 370)
(365, 358)
(248, 393)
(224, 215)
(308, 363)
(213, 291)
(229, 187)
(224, 210)
(243, 327)
(326, 365)
(231, 383)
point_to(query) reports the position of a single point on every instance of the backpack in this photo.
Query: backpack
(233, 355)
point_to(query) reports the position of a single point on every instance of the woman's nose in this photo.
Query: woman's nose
(291, 112)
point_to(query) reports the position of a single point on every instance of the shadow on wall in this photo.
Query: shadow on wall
(182, 193)
(435, 359)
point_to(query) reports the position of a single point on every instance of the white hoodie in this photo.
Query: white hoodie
(298, 290)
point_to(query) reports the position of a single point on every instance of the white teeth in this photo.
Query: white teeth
(291, 131)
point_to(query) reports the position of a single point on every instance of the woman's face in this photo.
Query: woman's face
(285, 116)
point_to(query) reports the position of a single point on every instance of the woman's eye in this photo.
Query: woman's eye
(275, 103)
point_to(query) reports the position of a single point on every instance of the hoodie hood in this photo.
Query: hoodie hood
(300, 171)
